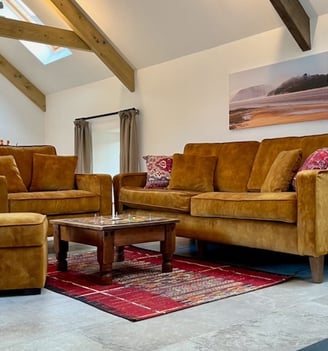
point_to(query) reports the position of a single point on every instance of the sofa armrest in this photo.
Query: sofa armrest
(312, 215)
(3, 194)
(127, 179)
(100, 184)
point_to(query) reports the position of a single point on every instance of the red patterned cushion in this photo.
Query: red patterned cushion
(317, 160)
(158, 171)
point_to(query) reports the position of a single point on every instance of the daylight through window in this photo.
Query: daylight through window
(16, 9)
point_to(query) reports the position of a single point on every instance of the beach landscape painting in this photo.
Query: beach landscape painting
(288, 92)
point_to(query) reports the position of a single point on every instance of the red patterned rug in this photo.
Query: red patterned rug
(140, 291)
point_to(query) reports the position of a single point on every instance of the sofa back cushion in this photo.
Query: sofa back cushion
(270, 148)
(282, 171)
(52, 172)
(235, 160)
(266, 155)
(234, 166)
(311, 143)
(192, 173)
(24, 158)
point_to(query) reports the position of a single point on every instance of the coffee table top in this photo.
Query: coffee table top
(113, 222)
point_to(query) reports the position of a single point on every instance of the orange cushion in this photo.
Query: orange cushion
(193, 173)
(282, 171)
(9, 169)
(52, 172)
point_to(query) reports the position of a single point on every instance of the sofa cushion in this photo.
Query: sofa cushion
(265, 156)
(234, 165)
(24, 158)
(192, 172)
(158, 171)
(51, 172)
(160, 199)
(233, 158)
(54, 202)
(281, 207)
(22, 229)
(282, 171)
(8, 168)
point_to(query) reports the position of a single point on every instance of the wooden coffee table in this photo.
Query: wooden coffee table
(110, 234)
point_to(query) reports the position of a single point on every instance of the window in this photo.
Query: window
(16, 9)
(106, 145)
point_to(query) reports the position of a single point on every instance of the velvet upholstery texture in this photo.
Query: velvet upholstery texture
(9, 169)
(3, 194)
(270, 148)
(282, 171)
(279, 207)
(23, 251)
(294, 222)
(233, 158)
(55, 202)
(24, 158)
(60, 172)
(88, 194)
(174, 200)
(192, 172)
(266, 154)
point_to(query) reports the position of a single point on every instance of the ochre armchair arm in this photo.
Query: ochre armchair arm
(3, 194)
(100, 184)
(127, 179)
(312, 216)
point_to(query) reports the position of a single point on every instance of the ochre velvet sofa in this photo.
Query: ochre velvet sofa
(23, 252)
(240, 193)
(36, 179)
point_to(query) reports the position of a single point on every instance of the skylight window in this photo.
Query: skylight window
(16, 9)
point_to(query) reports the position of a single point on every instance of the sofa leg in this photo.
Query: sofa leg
(20, 292)
(201, 248)
(317, 268)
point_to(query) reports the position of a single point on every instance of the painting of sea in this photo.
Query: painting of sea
(288, 92)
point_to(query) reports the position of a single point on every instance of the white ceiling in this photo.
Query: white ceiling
(147, 32)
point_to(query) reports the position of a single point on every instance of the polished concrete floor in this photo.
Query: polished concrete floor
(285, 317)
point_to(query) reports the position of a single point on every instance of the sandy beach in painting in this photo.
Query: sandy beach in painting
(303, 106)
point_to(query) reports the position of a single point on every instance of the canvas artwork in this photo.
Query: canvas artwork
(287, 92)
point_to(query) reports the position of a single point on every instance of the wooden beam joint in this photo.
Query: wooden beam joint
(88, 31)
(296, 20)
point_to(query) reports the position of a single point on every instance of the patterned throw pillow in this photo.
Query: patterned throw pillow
(158, 171)
(317, 160)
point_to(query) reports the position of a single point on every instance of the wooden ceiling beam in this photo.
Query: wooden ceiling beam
(296, 20)
(20, 30)
(100, 45)
(22, 83)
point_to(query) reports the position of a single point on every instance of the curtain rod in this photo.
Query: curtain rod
(105, 114)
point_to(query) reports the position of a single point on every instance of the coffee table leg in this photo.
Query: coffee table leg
(168, 247)
(119, 253)
(61, 248)
(105, 256)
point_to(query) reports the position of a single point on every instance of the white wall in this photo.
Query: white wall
(180, 101)
(21, 121)
(187, 99)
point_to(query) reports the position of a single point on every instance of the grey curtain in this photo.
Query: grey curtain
(83, 146)
(128, 141)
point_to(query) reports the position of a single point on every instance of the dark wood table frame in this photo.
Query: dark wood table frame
(111, 236)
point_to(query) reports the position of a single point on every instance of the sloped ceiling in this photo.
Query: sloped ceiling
(147, 32)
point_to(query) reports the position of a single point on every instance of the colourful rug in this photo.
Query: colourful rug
(140, 291)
